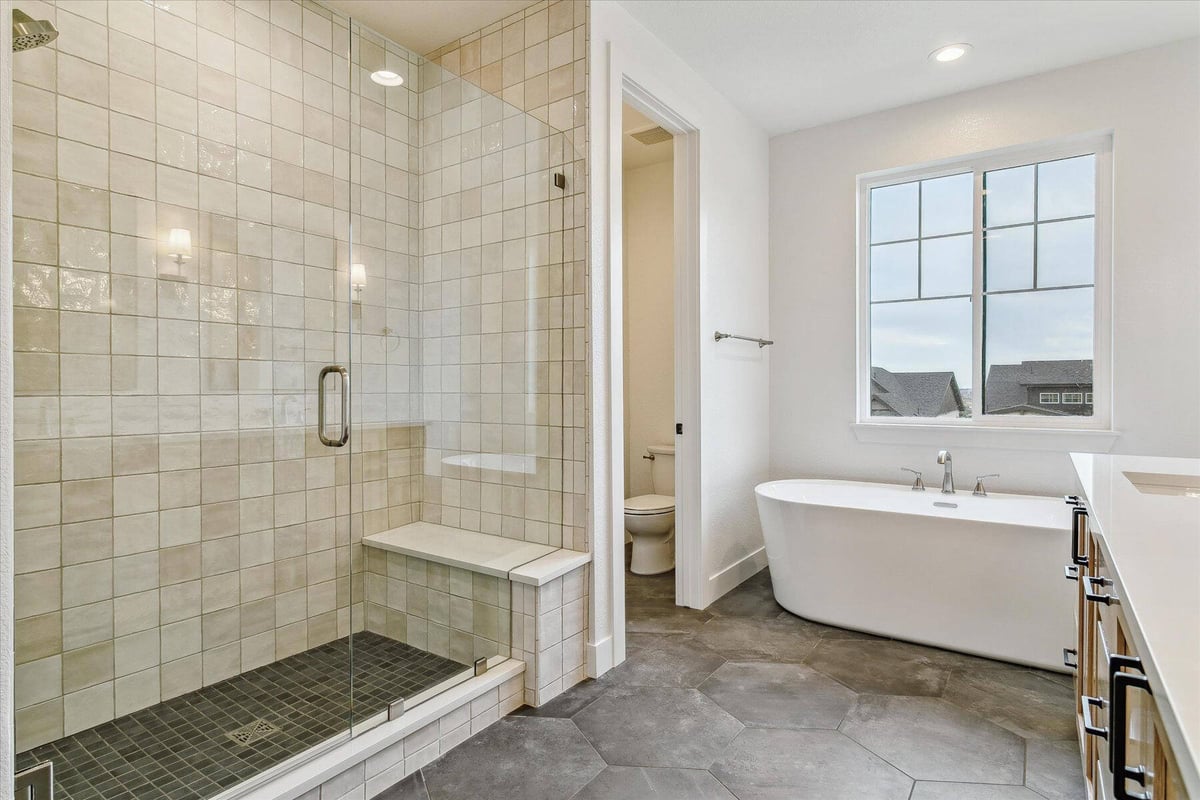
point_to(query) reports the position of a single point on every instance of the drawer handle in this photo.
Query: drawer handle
(1067, 653)
(1122, 682)
(1116, 663)
(1090, 727)
(1096, 597)
(1078, 534)
(1071, 572)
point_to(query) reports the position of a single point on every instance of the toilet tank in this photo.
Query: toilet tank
(662, 468)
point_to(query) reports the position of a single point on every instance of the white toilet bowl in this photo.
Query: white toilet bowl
(650, 521)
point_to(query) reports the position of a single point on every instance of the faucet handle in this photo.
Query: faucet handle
(979, 490)
(918, 484)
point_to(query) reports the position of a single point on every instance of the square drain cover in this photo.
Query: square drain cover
(252, 732)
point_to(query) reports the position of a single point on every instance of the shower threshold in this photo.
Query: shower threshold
(200, 744)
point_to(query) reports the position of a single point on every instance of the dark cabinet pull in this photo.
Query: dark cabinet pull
(1067, 653)
(1096, 597)
(1116, 663)
(1090, 727)
(1078, 523)
(1122, 682)
(1071, 499)
(1071, 572)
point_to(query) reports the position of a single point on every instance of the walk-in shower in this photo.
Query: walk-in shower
(266, 306)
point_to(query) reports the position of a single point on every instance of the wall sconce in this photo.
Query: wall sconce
(358, 279)
(179, 247)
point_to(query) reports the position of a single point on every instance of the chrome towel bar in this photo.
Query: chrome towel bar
(718, 336)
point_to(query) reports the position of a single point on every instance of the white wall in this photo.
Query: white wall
(649, 318)
(1150, 100)
(6, 404)
(733, 187)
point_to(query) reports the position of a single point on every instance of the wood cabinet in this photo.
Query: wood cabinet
(1120, 730)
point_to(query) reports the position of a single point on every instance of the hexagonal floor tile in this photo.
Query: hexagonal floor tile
(769, 764)
(880, 666)
(660, 784)
(672, 662)
(971, 791)
(756, 639)
(534, 759)
(932, 740)
(779, 695)
(1054, 769)
(651, 727)
(1022, 701)
(753, 598)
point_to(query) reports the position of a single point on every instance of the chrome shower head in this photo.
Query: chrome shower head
(28, 33)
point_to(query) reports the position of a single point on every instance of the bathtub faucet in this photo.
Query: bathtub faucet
(948, 477)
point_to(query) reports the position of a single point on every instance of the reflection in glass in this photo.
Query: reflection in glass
(921, 358)
(946, 205)
(894, 212)
(946, 266)
(1067, 188)
(1008, 196)
(1008, 259)
(894, 271)
(1037, 343)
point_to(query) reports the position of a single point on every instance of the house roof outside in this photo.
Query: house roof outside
(914, 394)
(1007, 386)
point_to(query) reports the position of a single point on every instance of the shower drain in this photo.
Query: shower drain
(252, 732)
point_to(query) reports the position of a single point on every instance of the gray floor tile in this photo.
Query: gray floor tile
(754, 598)
(1053, 769)
(651, 727)
(779, 695)
(768, 764)
(517, 758)
(1020, 700)
(880, 666)
(647, 783)
(925, 790)
(754, 639)
(570, 702)
(672, 662)
(933, 740)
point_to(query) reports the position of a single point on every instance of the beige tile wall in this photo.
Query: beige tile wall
(178, 522)
(503, 276)
(444, 610)
(549, 634)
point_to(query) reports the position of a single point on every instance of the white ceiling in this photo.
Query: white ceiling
(634, 154)
(425, 25)
(792, 65)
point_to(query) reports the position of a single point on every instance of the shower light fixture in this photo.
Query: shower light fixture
(950, 52)
(358, 279)
(179, 247)
(385, 77)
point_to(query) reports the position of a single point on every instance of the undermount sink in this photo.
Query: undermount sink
(1165, 483)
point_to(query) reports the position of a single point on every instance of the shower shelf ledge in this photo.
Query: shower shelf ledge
(523, 562)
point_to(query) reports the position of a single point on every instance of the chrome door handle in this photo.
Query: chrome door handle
(344, 378)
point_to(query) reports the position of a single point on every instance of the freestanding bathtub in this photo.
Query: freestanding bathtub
(981, 575)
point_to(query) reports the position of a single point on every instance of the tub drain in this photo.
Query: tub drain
(253, 732)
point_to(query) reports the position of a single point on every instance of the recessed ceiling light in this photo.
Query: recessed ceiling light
(951, 52)
(385, 77)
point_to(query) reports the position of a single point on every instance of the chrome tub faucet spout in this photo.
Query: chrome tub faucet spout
(948, 476)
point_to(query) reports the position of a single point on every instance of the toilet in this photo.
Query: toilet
(650, 518)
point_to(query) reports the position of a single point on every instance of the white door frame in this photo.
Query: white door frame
(689, 584)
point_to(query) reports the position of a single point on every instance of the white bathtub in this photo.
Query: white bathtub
(984, 577)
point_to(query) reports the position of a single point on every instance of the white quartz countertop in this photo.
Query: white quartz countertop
(1150, 532)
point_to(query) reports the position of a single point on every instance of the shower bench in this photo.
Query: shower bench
(548, 589)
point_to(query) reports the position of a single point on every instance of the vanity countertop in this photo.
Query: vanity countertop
(1146, 512)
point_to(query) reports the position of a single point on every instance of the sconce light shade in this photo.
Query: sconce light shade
(179, 243)
(358, 275)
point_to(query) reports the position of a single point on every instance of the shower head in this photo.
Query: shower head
(28, 33)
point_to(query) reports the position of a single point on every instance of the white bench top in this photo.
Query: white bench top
(524, 562)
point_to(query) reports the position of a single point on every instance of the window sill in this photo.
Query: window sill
(1048, 439)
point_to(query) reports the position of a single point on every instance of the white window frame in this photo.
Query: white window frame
(1087, 398)
(1044, 398)
(1067, 402)
(1101, 419)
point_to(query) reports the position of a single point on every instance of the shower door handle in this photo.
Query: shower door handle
(344, 383)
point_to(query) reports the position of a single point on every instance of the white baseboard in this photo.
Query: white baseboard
(599, 657)
(733, 575)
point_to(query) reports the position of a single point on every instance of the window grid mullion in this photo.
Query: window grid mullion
(920, 236)
(977, 307)
(1037, 171)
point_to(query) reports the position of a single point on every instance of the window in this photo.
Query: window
(981, 281)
